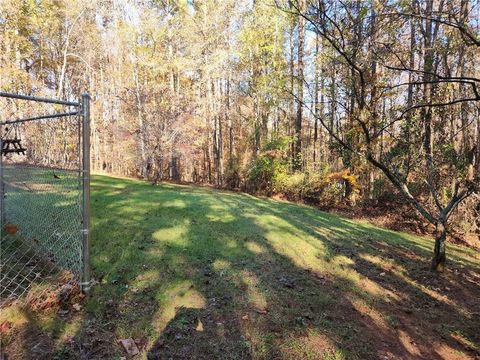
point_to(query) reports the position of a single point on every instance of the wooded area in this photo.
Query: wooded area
(322, 101)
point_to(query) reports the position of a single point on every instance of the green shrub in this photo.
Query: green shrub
(314, 187)
(270, 164)
(232, 173)
(329, 189)
(291, 185)
(268, 173)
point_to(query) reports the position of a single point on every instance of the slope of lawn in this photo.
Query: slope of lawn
(196, 273)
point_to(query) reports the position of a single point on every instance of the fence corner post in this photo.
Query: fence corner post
(85, 114)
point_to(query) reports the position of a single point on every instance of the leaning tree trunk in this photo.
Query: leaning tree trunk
(439, 256)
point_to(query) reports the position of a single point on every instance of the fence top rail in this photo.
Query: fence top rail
(42, 117)
(38, 99)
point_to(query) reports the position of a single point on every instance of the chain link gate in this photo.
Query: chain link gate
(44, 195)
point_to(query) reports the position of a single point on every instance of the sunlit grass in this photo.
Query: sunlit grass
(262, 277)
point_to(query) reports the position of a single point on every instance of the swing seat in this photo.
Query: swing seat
(12, 146)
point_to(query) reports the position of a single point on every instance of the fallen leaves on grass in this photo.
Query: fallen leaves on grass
(199, 326)
(60, 295)
(261, 311)
(130, 346)
(5, 327)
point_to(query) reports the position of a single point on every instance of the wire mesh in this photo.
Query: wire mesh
(42, 210)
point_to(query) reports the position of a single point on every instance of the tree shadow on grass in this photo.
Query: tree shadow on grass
(430, 315)
(216, 275)
(285, 301)
(265, 296)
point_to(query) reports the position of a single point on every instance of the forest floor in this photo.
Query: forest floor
(197, 273)
(397, 215)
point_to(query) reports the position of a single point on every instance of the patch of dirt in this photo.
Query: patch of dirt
(94, 341)
(62, 293)
(29, 342)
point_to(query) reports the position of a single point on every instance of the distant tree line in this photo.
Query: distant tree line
(318, 100)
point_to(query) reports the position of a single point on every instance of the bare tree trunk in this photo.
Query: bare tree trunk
(408, 119)
(465, 142)
(65, 55)
(297, 150)
(439, 257)
(229, 122)
(439, 253)
(292, 86)
(220, 139)
(141, 125)
(317, 109)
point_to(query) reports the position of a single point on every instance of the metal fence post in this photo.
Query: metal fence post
(86, 191)
(2, 188)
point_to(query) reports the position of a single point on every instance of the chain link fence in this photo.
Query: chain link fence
(44, 196)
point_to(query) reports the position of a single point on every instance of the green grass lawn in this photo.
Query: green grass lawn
(200, 273)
